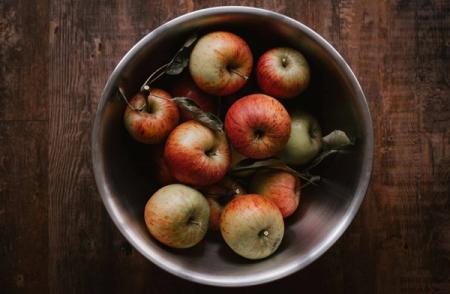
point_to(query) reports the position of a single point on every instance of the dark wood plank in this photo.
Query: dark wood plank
(23, 206)
(87, 39)
(23, 146)
(23, 59)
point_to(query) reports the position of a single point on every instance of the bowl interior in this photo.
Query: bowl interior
(125, 179)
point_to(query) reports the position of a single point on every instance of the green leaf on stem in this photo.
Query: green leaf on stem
(272, 163)
(335, 140)
(174, 67)
(178, 64)
(206, 118)
(333, 143)
(189, 42)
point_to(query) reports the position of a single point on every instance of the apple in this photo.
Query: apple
(252, 226)
(185, 87)
(258, 126)
(282, 72)
(177, 216)
(220, 63)
(218, 195)
(162, 172)
(305, 141)
(279, 186)
(197, 155)
(215, 209)
(154, 118)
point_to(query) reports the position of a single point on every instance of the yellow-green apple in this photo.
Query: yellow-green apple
(220, 63)
(258, 126)
(185, 87)
(252, 226)
(279, 186)
(218, 195)
(197, 155)
(282, 72)
(177, 216)
(153, 118)
(305, 141)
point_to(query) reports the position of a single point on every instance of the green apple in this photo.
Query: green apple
(177, 216)
(305, 140)
(252, 226)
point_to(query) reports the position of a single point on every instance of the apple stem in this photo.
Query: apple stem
(150, 80)
(124, 97)
(239, 74)
(264, 233)
(312, 180)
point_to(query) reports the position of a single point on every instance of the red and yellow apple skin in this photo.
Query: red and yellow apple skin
(185, 87)
(197, 155)
(281, 187)
(258, 126)
(161, 170)
(252, 226)
(215, 209)
(218, 195)
(220, 63)
(282, 73)
(177, 216)
(158, 117)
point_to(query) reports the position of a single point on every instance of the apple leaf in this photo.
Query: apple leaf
(189, 42)
(333, 143)
(181, 58)
(206, 118)
(177, 65)
(319, 158)
(335, 140)
(272, 163)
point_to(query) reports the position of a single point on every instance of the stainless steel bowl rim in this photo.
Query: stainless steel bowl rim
(263, 277)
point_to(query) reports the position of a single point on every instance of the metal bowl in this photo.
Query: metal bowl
(125, 182)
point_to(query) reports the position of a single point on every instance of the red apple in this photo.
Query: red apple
(218, 195)
(281, 187)
(185, 87)
(162, 172)
(197, 155)
(220, 63)
(282, 72)
(252, 226)
(258, 126)
(156, 119)
(177, 216)
(215, 209)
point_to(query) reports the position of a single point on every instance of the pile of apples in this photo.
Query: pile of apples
(194, 161)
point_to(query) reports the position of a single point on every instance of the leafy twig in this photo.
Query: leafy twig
(206, 118)
(124, 97)
(174, 67)
(271, 163)
(333, 143)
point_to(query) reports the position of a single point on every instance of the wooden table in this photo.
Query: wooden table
(55, 235)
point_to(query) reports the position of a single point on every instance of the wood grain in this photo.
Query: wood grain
(55, 57)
